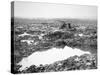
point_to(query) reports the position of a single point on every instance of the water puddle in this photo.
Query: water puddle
(49, 56)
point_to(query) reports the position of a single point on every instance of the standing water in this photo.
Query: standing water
(24, 34)
(49, 56)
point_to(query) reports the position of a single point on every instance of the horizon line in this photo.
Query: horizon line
(54, 18)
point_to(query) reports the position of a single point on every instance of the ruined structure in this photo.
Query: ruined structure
(65, 26)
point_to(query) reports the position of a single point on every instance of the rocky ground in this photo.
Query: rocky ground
(55, 34)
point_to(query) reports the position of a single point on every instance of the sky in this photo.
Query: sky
(51, 10)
